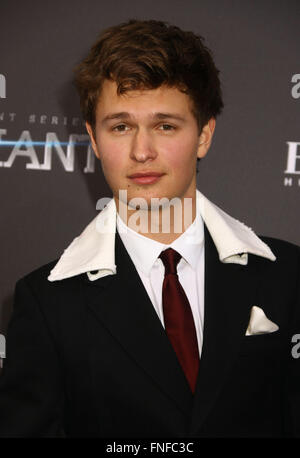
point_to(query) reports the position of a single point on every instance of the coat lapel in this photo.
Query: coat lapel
(229, 295)
(121, 303)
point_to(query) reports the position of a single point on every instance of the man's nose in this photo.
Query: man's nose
(142, 147)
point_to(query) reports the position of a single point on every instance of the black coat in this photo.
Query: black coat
(91, 358)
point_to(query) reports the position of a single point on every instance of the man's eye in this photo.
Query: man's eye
(120, 128)
(167, 127)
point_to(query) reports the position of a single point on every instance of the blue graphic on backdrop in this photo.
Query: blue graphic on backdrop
(65, 151)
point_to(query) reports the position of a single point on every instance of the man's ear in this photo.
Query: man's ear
(92, 138)
(205, 138)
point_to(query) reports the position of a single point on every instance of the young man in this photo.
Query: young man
(166, 317)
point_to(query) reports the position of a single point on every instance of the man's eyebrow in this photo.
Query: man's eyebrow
(121, 115)
(126, 115)
(169, 115)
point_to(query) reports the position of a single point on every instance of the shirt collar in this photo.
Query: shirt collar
(94, 248)
(145, 251)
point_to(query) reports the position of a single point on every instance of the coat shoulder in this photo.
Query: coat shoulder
(47, 291)
(282, 248)
(40, 272)
(287, 263)
(40, 275)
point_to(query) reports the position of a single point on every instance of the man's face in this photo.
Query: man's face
(148, 132)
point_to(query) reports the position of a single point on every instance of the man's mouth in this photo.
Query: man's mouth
(146, 177)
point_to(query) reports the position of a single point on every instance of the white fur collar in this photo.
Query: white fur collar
(93, 249)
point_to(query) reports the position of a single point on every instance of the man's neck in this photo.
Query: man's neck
(164, 224)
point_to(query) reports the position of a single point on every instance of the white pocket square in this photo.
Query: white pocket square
(259, 323)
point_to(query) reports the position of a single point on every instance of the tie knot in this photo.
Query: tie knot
(170, 259)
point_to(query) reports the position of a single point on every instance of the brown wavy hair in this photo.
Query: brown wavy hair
(146, 55)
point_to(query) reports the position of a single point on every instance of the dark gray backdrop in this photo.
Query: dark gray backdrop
(256, 47)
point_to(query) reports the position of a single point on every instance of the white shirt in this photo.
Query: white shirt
(145, 252)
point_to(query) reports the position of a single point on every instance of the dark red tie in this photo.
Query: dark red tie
(178, 318)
